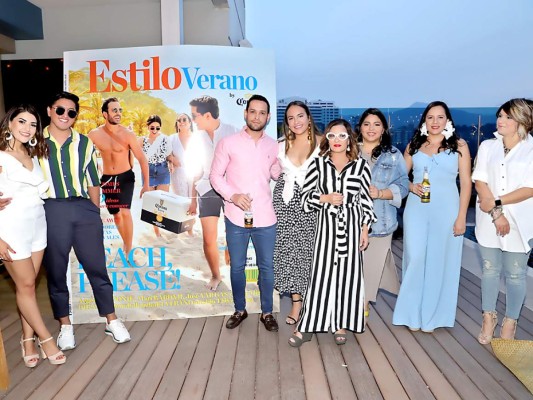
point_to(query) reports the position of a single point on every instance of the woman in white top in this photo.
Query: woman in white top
(503, 176)
(157, 150)
(180, 181)
(23, 224)
(293, 251)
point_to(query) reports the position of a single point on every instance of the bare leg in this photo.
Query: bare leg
(23, 274)
(209, 229)
(294, 315)
(124, 224)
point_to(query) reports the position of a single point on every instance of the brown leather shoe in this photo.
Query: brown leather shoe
(236, 319)
(270, 322)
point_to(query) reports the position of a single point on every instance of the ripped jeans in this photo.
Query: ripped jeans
(514, 266)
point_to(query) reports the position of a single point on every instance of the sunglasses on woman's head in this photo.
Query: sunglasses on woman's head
(61, 110)
(155, 128)
(340, 135)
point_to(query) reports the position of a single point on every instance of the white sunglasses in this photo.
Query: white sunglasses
(339, 135)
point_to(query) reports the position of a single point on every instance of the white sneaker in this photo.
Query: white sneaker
(118, 331)
(65, 339)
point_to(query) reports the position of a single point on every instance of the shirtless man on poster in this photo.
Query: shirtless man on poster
(115, 142)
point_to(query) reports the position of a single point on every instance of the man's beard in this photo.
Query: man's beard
(261, 127)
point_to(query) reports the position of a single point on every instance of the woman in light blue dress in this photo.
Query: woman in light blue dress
(433, 231)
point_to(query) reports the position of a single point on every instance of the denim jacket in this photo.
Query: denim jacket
(390, 172)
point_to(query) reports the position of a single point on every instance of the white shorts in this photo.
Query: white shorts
(24, 230)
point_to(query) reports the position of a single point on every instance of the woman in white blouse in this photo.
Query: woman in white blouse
(157, 149)
(293, 251)
(503, 176)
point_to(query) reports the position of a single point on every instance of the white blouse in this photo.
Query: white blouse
(291, 173)
(504, 174)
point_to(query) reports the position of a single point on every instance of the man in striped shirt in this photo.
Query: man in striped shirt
(73, 219)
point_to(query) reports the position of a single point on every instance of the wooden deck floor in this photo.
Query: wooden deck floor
(200, 359)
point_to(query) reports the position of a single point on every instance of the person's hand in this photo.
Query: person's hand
(374, 192)
(486, 204)
(4, 201)
(417, 189)
(241, 200)
(192, 207)
(363, 240)
(459, 227)
(144, 189)
(334, 198)
(5, 249)
(502, 226)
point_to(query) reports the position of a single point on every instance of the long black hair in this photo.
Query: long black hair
(418, 139)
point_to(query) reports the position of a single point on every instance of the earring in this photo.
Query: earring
(9, 136)
(347, 148)
(309, 133)
(33, 142)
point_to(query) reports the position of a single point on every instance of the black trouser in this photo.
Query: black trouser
(76, 223)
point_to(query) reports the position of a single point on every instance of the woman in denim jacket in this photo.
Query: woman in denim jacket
(390, 185)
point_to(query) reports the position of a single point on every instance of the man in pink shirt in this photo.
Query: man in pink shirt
(242, 168)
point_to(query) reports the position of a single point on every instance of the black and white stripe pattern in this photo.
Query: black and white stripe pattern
(335, 295)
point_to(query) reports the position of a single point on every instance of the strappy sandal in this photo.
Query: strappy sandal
(340, 338)
(508, 321)
(483, 338)
(30, 360)
(290, 320)
(295, 341)
(54, 359)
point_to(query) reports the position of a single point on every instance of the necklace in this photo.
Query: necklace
(506, 150)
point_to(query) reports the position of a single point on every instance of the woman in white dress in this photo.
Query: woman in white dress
(23, 224)
(180, 181)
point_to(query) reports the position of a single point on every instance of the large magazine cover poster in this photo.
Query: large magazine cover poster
(165, 274)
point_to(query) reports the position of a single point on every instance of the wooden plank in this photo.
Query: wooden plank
(123, 383)
(55, 381)
(476, 372)
(484, 356)
(198, 374)
(339, 381)
(432, 376)
(315, 381)
(364, 383)
(267, 365)
(88, 370)
(173, 378)
(243, 380)
(291, 380)
(386, 378)
(219, 383)
(413, 384)
(147, 384)
(98, 387)
(29, 380)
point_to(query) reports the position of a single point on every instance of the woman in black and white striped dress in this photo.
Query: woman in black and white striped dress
(337, 187)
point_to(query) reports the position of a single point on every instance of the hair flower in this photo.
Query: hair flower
(424, 129)
(448, 130)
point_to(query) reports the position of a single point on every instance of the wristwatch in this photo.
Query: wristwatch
(497, 202)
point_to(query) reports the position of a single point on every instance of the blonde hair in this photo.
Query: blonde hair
(520, 111)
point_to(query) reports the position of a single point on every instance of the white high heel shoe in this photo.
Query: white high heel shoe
(55, 358)
(28, 358)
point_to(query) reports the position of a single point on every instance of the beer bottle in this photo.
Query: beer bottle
(248, 219)
(426, 187)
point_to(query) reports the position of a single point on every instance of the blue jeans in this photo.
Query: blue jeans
(263, 238)
(514, 266)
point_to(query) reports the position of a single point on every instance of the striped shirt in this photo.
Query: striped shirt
(70, 168)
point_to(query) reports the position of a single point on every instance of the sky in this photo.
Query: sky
(375, 53)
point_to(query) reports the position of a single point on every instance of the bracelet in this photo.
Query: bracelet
(495, 218)
(380, 194)
(495, 210)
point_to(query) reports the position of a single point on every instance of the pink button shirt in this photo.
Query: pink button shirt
(241, 165)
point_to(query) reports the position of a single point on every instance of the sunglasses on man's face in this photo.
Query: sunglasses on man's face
(155, 128)
(61, 110)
